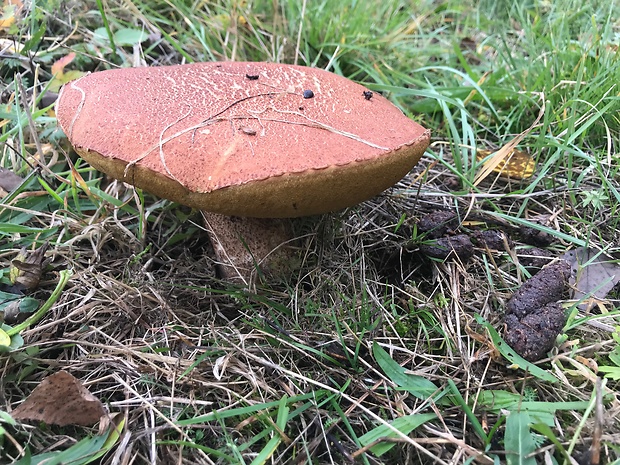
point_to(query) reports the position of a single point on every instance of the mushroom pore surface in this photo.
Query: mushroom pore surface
(241, 138)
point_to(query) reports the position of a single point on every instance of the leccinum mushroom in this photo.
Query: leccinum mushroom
(259, 140)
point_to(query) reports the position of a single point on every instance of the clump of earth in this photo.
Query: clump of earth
(534, 316)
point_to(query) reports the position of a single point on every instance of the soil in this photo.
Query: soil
(534, 258)
(492, 239)
(534, 316)
(535, 237)
(449, 247)
(439, 223)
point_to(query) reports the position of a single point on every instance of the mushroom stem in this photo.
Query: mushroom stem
(248, 248)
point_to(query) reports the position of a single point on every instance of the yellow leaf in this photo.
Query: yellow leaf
(509, 148)
(60, 76)
(7, 18)
(514, 164)
(9, 10)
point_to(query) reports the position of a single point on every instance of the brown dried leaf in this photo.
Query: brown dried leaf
(27, 268)
(61, 399)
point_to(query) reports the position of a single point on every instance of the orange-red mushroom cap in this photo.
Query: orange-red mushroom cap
(246, 139)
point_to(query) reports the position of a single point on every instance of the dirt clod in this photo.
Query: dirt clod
(534, 335)
(534, 317)
(439, 223)
(534, 259)
(450, 247)
(535, 237)
(549, 285)
(492, 239)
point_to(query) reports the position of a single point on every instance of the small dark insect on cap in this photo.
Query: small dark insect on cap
(308, 94)
(367, 94)
(252, 77)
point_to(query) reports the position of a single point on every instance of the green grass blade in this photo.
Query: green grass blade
(241, 411)
(64, 276)
(418, 386)
(404, 424)
(518, 441)
(509, 353)
(457, 398)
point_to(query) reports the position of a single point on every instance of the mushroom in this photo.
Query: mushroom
(233, 139)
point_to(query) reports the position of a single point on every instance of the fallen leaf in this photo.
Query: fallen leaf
(9, 180)
(26, 269)
(514, 164)
(5, 340)
(594, 274)
(59, 65)
(15, 306)
(60, 76)
(7, 17)
(507, 149)
(9, 10)
(61, 399)
(588, 362)
(10, 343)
